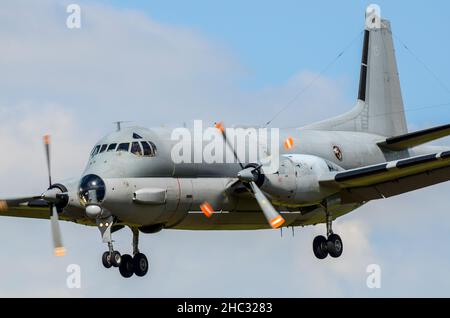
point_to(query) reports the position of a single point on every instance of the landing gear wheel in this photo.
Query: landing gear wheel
(126, 267)
(320, 247)
(335, 246)
(116, 259)
(140, 264)
(106, 260)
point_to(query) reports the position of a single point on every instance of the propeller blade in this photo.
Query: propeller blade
(246, 175)
(273, 217)
(47, 154)
(51, 196)
(59, 249)
(221, 128)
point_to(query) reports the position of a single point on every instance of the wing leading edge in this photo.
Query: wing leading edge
(390, 178)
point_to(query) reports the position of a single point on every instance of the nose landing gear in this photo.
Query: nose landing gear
(127, 264)
(111, 258)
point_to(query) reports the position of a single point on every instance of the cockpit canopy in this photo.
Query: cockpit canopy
(138, 148)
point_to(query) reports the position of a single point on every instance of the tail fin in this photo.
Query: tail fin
(379, 108)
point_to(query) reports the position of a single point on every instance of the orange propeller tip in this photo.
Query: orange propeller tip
(59, 251)
(277, 222)
(289, 143)
(220, 127)
(47, 139)
(207, 209)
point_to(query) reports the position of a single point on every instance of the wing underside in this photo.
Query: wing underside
(391, 178)
(27, 207)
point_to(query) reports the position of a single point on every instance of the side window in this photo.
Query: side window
(136, 149)
(147, 148)
(123, 147)
(112, 147)
(95, 151)
(103, 148)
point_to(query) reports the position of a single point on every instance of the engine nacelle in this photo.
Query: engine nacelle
(297, 180)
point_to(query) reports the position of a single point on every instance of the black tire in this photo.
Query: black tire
(140, 264)
(106, 260)
(320, 247)
(335, 246)
(126, 267)
(116, 259)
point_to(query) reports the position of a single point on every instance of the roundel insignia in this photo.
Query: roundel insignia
(337, 152)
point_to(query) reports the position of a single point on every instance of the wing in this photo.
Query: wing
(415, 138)
(27, 207)
(390, 178)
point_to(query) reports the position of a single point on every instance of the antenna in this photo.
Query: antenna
(119, 124)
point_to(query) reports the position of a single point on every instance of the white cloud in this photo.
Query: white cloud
(23, 158)
(123, 65)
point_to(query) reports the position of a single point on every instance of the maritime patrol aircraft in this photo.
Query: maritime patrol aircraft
(326, 170)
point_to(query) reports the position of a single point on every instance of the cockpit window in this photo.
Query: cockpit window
(147, 149)
(142, 148)
(153, 147)
(136, 149)
(95, 151)
(112, 147)
(123, 147)
(136, 136)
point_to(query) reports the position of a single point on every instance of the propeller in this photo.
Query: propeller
(249, 175)
(59, 249)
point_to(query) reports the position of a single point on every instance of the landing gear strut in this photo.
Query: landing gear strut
(332, 245)
(127, 264)
(110, 258)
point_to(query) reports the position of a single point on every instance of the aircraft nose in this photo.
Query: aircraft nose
(92, 189)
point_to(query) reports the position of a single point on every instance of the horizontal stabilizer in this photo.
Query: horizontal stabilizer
(390, 178)
(415, 138)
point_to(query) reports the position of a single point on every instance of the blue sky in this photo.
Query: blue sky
(168, 62)
(275, 39)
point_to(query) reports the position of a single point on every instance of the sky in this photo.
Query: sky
(169, 62)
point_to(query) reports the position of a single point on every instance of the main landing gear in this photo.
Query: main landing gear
(127, 264)
(332, 245)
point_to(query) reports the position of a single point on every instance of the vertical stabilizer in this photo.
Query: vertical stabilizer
(379, 108)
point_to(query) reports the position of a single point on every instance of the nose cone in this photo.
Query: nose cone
(247, 175)
(92, 189)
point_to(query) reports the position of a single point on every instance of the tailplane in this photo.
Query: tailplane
(379, 109)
